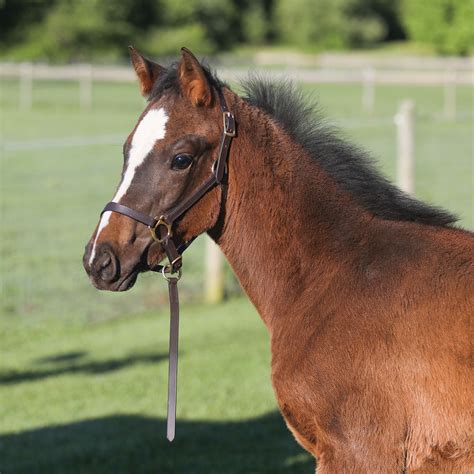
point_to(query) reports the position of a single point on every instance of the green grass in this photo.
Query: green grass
(92, 397)
(83, 372)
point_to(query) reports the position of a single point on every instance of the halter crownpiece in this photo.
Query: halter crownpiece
(161, 229)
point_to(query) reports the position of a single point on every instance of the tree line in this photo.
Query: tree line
(78, 30)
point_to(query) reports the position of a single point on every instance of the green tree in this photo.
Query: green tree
(78, 30)
(18, 16)
(390, 13)
(328, 23)
(445, 24)
(203, 25)
(255, 21)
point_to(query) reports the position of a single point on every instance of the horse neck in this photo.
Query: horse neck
(286, 226)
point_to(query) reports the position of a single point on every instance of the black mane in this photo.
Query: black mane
(348, 165)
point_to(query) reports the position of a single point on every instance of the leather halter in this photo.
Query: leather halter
(161, 229)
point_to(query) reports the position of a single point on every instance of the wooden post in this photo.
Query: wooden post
(450, 95)
(368, 90)
(26, 86)
(214, 281)
(405, 122)
(85, 86)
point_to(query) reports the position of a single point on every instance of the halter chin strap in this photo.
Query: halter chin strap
(161, 229)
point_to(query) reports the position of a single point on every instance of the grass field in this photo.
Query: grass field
(92, 398)
(83, 372)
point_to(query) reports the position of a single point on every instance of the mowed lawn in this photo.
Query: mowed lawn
(92, 398)
(83, 373)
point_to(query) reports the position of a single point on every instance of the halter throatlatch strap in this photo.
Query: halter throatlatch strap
(161, 229)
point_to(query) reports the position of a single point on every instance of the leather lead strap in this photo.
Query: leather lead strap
(173, 357)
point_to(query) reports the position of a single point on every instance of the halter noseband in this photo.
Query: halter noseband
(161, 229)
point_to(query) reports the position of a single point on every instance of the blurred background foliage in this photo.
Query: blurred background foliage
(445, 24)
(85, 30)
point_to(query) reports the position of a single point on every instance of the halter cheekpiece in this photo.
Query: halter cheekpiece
(161, 229)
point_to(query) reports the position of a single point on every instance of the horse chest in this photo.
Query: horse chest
(299, 406)
(302, 421)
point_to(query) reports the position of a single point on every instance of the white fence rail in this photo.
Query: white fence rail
(338, 76)
(362, 61)
(367, 77)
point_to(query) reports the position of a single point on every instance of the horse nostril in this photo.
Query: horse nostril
(105, 261)
(106, 266)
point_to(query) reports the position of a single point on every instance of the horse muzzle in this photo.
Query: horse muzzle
(105, 270)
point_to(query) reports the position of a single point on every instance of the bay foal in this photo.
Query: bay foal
(367, 294)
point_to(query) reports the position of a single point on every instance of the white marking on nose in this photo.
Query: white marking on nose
(151, 128)
(104, 220)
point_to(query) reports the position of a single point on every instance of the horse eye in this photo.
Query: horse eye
(181, 162)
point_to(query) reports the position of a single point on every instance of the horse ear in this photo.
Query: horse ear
(193, 80)
(147, 71)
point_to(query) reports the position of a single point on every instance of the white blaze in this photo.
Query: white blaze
(151, 128)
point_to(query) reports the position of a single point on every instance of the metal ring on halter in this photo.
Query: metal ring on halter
(168, 275)
(214, 167)
(161, 221)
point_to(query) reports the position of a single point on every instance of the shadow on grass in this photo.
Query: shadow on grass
(63, 357)
(69, 363)
(137, 444)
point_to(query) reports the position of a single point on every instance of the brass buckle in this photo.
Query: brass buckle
(168, 274)
(229, 124)
(161, 221)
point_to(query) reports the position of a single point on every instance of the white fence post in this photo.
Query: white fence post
(405, 122)
(26, 86)
(368, 90)
(214, 281)
(450, 95)
(85, 86)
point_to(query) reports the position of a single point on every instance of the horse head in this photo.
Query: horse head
(167, 156)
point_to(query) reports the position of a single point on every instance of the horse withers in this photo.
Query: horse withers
(367, 293)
